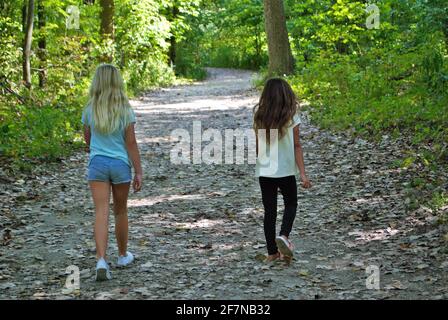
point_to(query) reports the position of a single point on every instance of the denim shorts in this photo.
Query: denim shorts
(106, 169)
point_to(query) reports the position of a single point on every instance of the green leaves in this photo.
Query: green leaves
(227, 33)
(373, 81)
(140, 49)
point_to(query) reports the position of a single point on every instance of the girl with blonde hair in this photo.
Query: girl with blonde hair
(109, 134)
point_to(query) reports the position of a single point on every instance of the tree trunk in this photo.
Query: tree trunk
(24, 11)
(42, 44)
(258, 45)
(107, 25)
(27, 43)
(107, 18)
(280, 56)
(172, 52)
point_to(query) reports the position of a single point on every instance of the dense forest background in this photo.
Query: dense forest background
(379, 81)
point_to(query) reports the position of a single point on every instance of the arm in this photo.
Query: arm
(134, 154)
(87, 136)
(298, 153)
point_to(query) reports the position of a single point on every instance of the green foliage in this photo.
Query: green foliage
(190, 62)
(44, 122)
(239, 41)
(439, 203)
(9, 52)
(42, 133)
(140, 44)
(389, 81)
(227, 33)
(374, 82)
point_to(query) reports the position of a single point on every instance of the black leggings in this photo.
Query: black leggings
(269, 191)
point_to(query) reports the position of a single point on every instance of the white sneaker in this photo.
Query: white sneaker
(102, 270)
(123, 261)
(284, 246)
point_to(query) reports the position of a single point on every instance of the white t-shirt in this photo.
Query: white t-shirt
(277, 159)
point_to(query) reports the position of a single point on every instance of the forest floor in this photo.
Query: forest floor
(197, 230)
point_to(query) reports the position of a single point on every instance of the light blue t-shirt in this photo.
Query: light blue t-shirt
(110, 145)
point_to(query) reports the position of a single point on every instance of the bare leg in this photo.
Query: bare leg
(120, 194)
(101, 198)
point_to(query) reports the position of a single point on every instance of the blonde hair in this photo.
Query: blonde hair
(110, 106)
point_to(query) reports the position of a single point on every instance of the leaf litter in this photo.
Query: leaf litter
(197, 230)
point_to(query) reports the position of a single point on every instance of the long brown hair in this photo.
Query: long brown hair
(276, 108)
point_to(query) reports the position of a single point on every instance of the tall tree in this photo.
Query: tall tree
(29, 23)
(280, 56)
(42, 43)
(107, 18)
(173, 40)
(107, 25)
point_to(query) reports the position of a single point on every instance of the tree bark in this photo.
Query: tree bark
(172, 51)
(27, 43)
(280, 56)
(24, 11)
(107, 18)
(107, 25)
(42, 43)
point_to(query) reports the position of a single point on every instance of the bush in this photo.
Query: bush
(390, 96)
(40, 133)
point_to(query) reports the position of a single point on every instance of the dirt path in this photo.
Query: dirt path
(196, 230)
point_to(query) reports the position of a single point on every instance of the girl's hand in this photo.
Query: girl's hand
(137, 183)
(305, 182)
